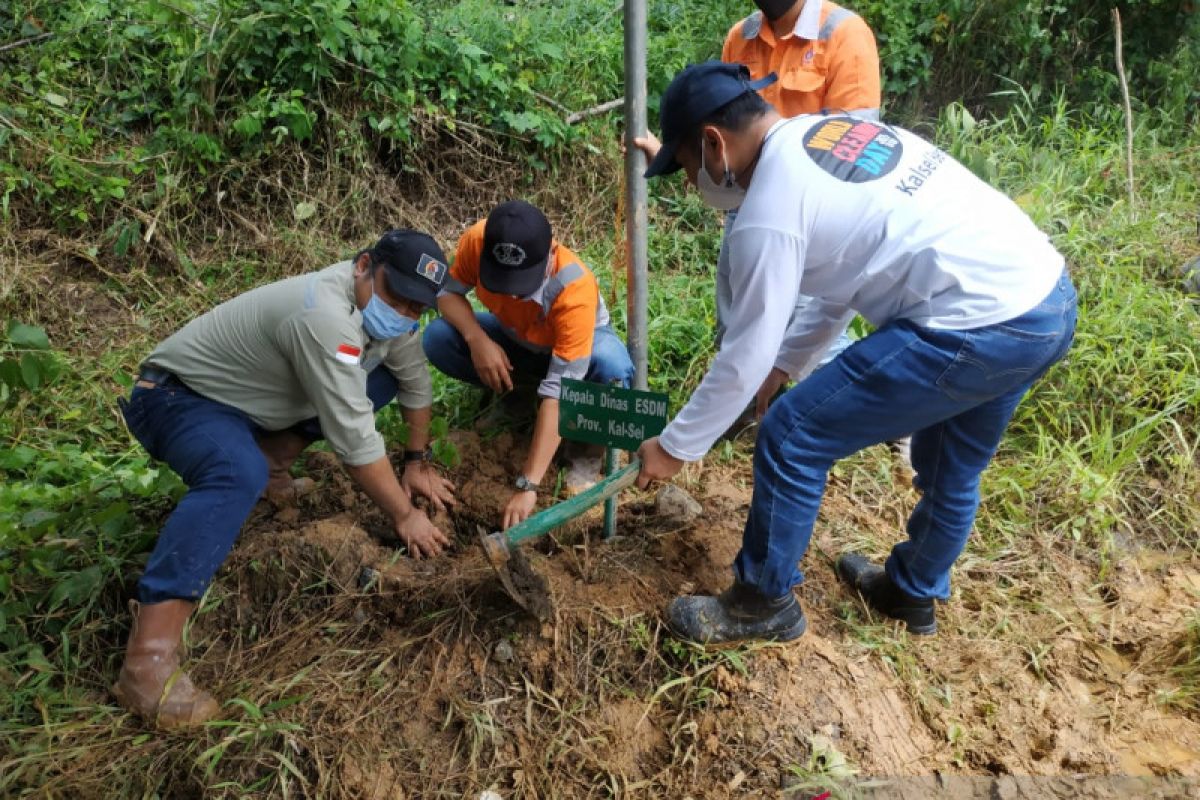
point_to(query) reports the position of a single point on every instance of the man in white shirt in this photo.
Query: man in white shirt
(971, 305)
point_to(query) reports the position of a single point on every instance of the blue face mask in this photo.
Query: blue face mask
(381, 321)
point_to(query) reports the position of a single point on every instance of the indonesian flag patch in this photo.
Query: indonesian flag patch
(348, 354)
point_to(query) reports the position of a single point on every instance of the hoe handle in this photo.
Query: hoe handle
(545, 521)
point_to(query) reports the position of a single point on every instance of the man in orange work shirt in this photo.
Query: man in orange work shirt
(545, 320)
(824, 55)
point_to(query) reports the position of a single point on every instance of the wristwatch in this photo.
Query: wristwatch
(417, 456)
(525, 485)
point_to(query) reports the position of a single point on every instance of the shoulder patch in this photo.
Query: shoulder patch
(751, 25)
(853, 150)
(348, 354)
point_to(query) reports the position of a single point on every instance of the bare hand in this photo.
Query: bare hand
(421, 536)
(657, 463)
(422, 478)
(648, 144)
(766, 392)
(519, 507)
(492, 365)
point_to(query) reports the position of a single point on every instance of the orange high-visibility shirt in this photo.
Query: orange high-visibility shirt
(560, 318)
(829, 62)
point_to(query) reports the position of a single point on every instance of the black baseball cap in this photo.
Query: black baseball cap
(516, 247)
(696, 92)
(415, 265)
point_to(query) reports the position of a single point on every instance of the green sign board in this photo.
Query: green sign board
(609, 415)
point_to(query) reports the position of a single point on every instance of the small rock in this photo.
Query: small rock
(287, 516)
(504, 651)
(367, 578)
(1191, 275)
(676, 505)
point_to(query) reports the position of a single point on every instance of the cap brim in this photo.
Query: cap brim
(664, 162)
(412, 287)
(516, 282)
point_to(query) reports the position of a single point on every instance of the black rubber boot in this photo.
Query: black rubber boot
(872, 582)
(737, 614)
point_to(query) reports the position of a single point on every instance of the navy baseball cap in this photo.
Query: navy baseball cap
(416, 265)
(516, 248)
(697, 91)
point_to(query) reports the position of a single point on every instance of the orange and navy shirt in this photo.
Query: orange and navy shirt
(828, 63)
(560, 318)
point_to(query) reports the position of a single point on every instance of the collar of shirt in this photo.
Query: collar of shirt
(808, 24)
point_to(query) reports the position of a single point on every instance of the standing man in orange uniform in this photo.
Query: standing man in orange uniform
(824, 55)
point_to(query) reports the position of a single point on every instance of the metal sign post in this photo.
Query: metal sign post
(635, 186)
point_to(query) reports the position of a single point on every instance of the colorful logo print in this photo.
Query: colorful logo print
(853, 150)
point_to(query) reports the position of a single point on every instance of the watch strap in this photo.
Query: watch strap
(416, 456)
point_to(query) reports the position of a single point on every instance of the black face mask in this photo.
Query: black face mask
(774, 9)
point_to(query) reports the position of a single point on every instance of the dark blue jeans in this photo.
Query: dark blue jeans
(447, 350)
(214, 449)
(956, 389)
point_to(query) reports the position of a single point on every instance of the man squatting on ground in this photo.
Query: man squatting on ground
(971, 305)
(232, 399)
(545, 321)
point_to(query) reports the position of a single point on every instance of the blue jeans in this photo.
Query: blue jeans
(447, 350)
(214, 449)
(956, 389)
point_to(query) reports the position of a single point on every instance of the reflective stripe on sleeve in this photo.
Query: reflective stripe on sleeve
(835, 18)
(558, 282)
(559, 369)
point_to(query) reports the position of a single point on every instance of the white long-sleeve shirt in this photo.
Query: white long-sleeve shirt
(865, 219)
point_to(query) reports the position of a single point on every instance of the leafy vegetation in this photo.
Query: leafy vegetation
(157, 158)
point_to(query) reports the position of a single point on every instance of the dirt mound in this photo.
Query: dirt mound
(414, 679)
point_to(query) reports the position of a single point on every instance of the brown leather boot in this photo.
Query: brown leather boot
(282, 448)
(152, 684)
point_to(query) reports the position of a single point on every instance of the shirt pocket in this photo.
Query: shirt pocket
(802, 91)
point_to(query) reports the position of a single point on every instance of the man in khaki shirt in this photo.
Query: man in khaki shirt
(231, 400)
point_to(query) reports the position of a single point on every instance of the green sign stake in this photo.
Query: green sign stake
(609, 415)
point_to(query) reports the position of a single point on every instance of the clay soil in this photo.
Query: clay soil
(396, 678)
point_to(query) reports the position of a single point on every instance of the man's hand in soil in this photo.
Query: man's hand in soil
(657, 463)
(519, 507)
(766, 393)
(421, 536)
(491, 364)
(422, 478)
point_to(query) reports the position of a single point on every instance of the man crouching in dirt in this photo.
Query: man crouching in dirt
(971, 305)
(231, 400)
(545, 321)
